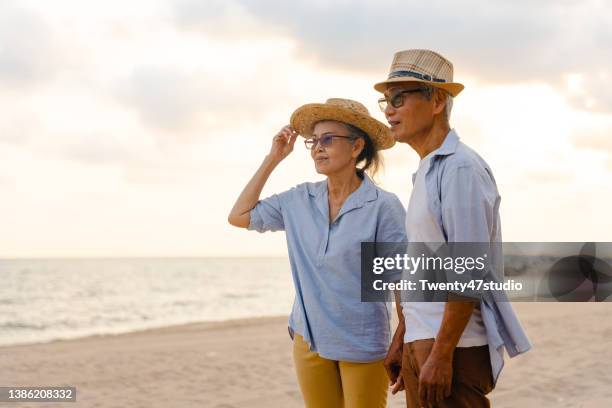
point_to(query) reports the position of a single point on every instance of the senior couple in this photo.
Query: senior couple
(443, 354)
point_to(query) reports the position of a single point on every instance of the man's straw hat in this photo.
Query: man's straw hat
(341, 110)
(421, 66)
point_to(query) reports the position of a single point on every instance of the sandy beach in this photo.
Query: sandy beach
(248, 363)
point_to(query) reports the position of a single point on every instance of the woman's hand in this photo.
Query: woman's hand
(282, 144)
(393, 365)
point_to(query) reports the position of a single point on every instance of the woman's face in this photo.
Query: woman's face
(340, 153)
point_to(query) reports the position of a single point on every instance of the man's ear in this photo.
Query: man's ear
(439, 101)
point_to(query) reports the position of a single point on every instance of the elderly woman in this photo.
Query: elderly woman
(339, 343)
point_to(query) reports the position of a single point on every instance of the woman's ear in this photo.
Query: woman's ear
(358, 147)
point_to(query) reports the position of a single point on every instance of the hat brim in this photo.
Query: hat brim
(452, 88)
(305, 117)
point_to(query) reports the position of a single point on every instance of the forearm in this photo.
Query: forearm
(393, 361)
(401, 327)
(455, 319)
(240, 214)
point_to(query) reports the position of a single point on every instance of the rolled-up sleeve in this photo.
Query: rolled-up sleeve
(267, 215)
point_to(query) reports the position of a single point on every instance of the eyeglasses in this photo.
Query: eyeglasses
(397, 100)
(325, 140)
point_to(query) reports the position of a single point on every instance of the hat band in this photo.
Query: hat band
(425, 77)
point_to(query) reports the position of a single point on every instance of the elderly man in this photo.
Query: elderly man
(444, 354)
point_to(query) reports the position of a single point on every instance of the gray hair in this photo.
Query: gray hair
(428, 91)
(449, 105)
(373, 161)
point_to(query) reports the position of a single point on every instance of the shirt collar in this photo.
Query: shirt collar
(448, 147)
(364, 193)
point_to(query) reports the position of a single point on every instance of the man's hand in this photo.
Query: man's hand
(393, 365)
(436, 374)
(435, 379)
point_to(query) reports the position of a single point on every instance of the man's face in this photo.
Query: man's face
(414, 115)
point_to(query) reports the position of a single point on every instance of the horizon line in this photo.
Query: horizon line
(112, 257)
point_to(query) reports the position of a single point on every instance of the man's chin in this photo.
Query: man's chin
(398, 136)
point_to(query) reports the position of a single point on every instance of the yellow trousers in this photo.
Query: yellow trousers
(338, 384)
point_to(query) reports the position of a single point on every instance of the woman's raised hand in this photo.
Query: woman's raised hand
(282, 143)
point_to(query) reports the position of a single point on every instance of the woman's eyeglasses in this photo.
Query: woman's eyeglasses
(397, 100)
(325, 140)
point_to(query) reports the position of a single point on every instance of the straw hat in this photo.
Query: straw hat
(341, 110)
(421, 66)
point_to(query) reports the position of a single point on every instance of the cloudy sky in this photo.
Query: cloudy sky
(129, 127)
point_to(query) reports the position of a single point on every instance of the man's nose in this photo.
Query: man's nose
(389, 110)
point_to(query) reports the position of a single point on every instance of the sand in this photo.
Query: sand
(247, 363)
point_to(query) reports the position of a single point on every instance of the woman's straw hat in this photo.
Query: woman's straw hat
(341, 110)
(421, 66)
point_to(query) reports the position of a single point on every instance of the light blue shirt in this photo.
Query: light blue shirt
(425, 318)
(326, 265)
(464, 201)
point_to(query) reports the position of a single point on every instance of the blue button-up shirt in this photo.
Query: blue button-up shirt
(463, 199)
(326, 265)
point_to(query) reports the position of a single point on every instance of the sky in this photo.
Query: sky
(128, 128)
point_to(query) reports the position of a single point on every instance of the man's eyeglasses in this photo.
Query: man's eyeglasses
(325, 140)
(397, 100)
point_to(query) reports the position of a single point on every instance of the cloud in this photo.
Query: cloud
(164, 98)
(185, 103)
(29, 52)
(492, 40)
(218, 17)
(168, 173)
(169, 100)
(94, 148)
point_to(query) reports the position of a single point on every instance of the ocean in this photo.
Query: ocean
(48, 299)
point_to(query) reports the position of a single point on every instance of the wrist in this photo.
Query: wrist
(272, 160)
(442, 352)
(399, 333)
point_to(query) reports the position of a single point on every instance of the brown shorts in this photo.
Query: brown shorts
(472, 375)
